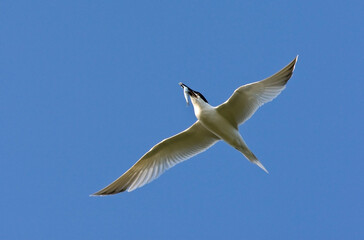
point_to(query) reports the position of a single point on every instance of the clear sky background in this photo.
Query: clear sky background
(87, 87)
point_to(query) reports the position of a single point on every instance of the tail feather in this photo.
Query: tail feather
(251, 157)
(257, 162)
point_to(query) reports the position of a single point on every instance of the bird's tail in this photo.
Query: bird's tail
(251, 157)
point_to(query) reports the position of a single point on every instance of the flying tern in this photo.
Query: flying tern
(213, 124)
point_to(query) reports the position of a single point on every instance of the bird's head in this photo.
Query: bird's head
(194, 95)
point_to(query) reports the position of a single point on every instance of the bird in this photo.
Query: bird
(213, 124)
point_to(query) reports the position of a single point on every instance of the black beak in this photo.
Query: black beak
(192, 92)
(183, 85)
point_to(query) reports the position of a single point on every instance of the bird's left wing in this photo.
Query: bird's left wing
(161, 157)
(248, 98)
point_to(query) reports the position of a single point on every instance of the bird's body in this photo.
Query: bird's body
(213, 124)
(218, 124)
(211, 119)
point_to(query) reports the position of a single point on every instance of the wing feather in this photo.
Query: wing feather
(248, 98)
(161, 157)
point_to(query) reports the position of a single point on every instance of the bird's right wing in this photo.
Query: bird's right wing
(248, 98)
(161, 157)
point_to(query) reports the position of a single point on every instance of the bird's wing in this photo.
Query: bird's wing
(248, 98)
(161, 157)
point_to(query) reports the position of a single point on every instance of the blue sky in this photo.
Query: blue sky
(87, 87)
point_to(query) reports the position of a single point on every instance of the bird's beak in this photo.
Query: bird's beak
(186, 91)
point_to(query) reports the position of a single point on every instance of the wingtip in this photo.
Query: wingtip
(106, 192)
(294, 62)
(100, 193)
(96, 194)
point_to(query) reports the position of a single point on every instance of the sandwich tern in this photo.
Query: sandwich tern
(213, 124)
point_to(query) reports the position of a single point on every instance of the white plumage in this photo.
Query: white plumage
(213, 124)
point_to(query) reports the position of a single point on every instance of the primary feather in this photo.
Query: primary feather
(161, 157)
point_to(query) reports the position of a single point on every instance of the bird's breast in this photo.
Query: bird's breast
(218, 125)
